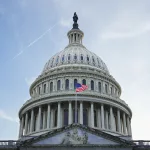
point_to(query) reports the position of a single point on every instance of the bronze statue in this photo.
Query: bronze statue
(75, 19)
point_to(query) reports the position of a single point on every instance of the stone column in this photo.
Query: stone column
(81, 112)
(58, 116)
(111, 118)
(26, 123)
(124, 124)
(44, 119)
(128, 126)
(99, 117)
(92, 115)
(32, 120)
(107, 122)
(39, 119)
(70, 113)
(22, 126)
(52, 119)
(102, 116)
(48, 116)
(118, 121)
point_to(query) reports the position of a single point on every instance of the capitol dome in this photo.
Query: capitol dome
(54, 103)
(75, 53)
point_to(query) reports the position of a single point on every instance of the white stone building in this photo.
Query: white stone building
(56, 115)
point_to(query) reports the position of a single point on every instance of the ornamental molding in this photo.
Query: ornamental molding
(71, 74)
(85, 97)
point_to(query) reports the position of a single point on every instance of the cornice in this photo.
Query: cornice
(87, 95)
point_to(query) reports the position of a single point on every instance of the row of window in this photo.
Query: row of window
(75, 58)
(67, 87)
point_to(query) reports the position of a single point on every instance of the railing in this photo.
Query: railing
(142, 143)
(8, 143)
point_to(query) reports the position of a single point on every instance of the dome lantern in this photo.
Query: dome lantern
(75, 35)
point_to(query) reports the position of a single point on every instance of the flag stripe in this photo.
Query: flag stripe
(81, 87)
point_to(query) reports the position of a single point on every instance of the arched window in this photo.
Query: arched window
(51, 86)
(85, 117)
(44, 88)
(55, 119)
(57, 60)
(69, 57)
(111, 90)
(75, 82)
(81, 58)
(65, 117)
(58, 85)
(63, 58)
(88, 58)
(75, 57)
(100, 87)
(93, 60)
(52, 62)
(98, 62)
(92, 85)
(67, 84)
(39, 90)
(84, 82)
(106, 88)
(95, 118)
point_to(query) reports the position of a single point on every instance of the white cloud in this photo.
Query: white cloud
(66, 22)
(126, 25)
(29, 81)
(3, 115)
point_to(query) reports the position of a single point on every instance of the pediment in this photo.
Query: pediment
(75, 136)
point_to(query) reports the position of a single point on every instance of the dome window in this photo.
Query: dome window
(67, 84)
(51, 86)
(57, 60)
(84, 82)
(88, 58)
(63, 58)
(52, 62)
(75, 82)
(99, 87)
(75, 57)
(58, 85)
(44, 88)
(93, 60)
(81, 58)
(69, 57)
(92, 85)
(106, 88)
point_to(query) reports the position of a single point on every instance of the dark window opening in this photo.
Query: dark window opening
(44, 88)
(92, 85)
(67, 84)
(65, 117)
(51, 86)
(75, 82)
(84, 82)
(95, 118)
(58, 85)
(85, 117)
(99, 86)
(55, 119)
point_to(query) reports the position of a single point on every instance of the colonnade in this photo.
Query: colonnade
(57, 115)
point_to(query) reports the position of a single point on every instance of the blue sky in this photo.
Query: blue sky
(32, 31)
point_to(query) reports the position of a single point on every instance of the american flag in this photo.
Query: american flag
(81, 87)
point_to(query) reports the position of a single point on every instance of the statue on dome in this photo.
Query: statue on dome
(75, 19)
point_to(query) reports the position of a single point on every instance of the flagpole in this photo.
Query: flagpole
(76, 109)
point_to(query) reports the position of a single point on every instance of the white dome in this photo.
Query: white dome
(75, 54)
